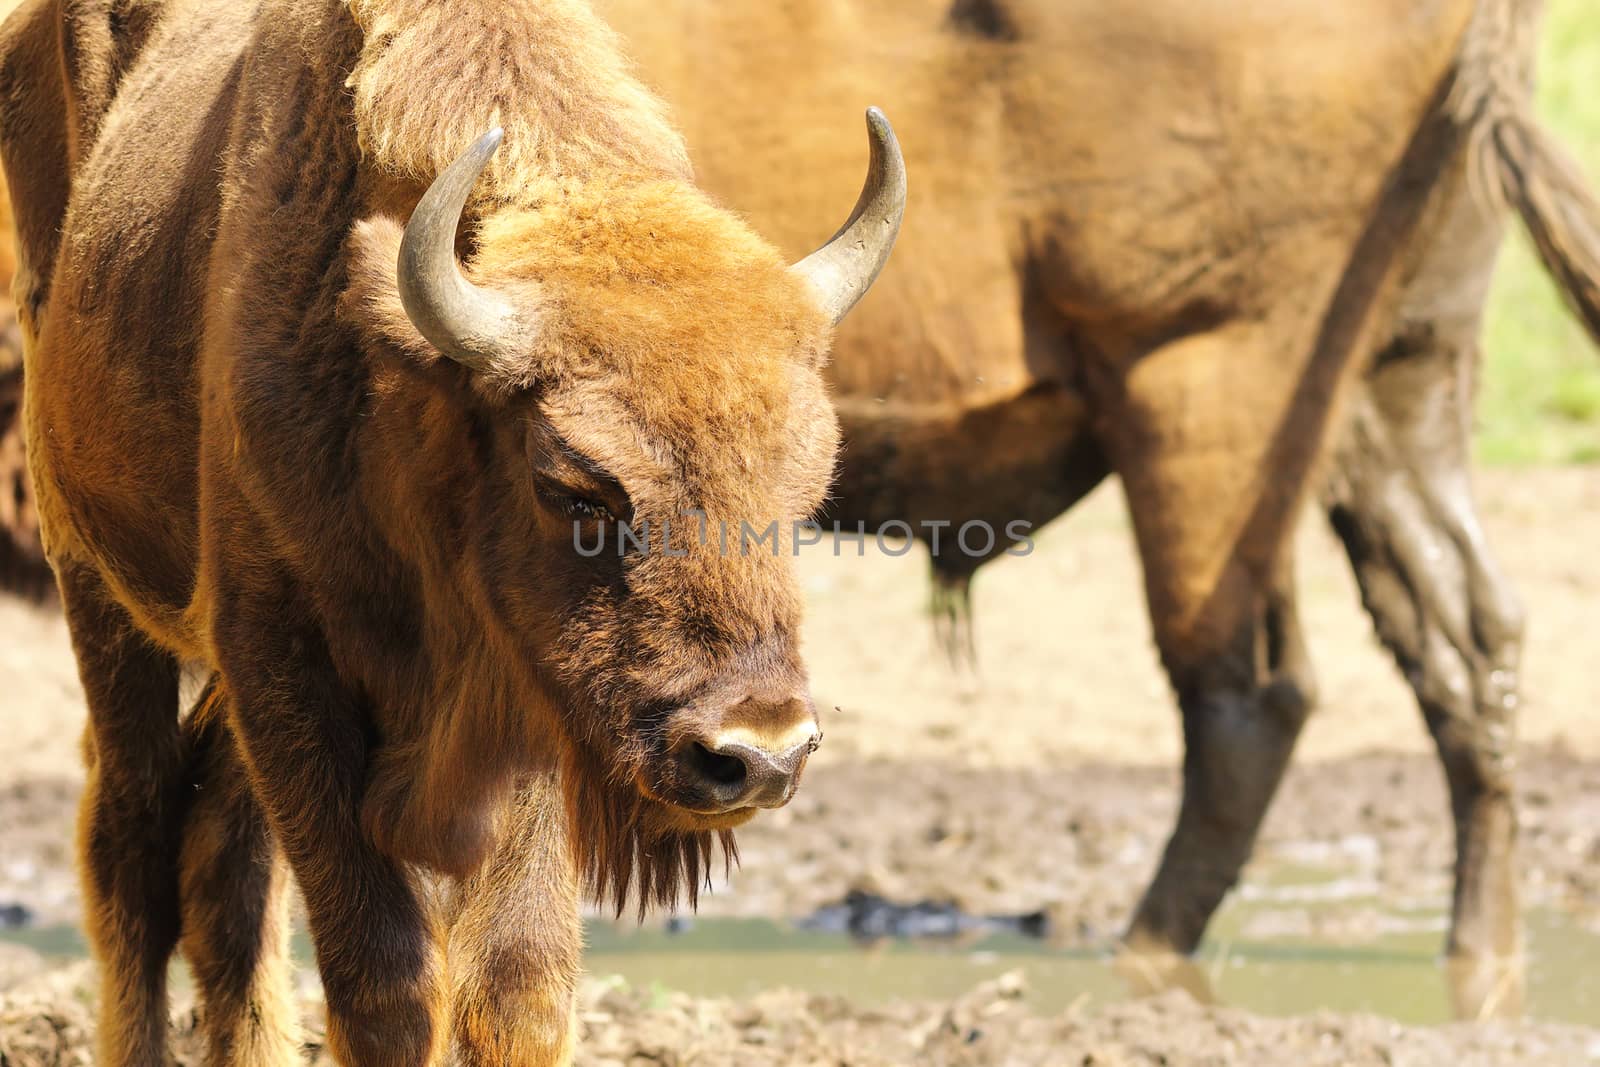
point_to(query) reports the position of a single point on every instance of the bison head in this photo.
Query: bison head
(638, 382)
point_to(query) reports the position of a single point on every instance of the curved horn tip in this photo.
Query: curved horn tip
(842, 270)
(880, 133)
(486, 146)
(884, 140)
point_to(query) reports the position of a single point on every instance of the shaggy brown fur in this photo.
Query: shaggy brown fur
(568, 101)
(249, 461)
(1177, 240)
(515, 939)
(233, 894)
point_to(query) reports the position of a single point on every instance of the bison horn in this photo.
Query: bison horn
(466, 323)
(842, 271)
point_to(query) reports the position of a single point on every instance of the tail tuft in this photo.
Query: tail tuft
(1559, 210)
(1514, 163)
(950, 606)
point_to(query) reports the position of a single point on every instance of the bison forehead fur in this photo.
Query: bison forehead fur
(651, 301)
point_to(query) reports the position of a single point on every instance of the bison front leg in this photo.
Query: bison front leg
(129, 819)
(1402, 503)
(235, 905)
(516, 940)
(306, 747)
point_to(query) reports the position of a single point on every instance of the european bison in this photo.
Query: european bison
(285, 437)
(1192, 243)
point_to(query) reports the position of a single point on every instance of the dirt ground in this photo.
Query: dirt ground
(1045, 781)
(44, 1023)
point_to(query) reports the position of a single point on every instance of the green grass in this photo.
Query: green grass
(1540, 400)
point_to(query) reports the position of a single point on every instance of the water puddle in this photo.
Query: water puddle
(1292, 945)
(1398, 974)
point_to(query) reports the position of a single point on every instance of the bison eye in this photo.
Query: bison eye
(580, 507)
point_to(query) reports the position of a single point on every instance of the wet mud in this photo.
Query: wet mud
(1057, 853)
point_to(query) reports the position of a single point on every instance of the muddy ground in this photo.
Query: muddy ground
(45, 1024)
(1045, 782)
(1078, 844)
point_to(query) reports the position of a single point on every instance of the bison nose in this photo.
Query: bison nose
(734, 770)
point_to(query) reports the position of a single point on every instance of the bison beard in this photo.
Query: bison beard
(628, 844)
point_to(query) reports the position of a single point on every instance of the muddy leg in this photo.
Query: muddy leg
(235, 905)
(516, 941)
(1402, 503)
(302, 738)
(130, 818)
(1214, 491)
(1243, 709)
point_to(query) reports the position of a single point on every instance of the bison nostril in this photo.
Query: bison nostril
(723, 770)
(728, 773)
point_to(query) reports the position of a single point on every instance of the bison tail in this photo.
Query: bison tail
(1542, 182)
(1514, 162)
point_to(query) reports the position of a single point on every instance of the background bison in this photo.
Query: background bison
(1193, 245)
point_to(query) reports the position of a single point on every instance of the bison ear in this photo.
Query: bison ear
(371, 300)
